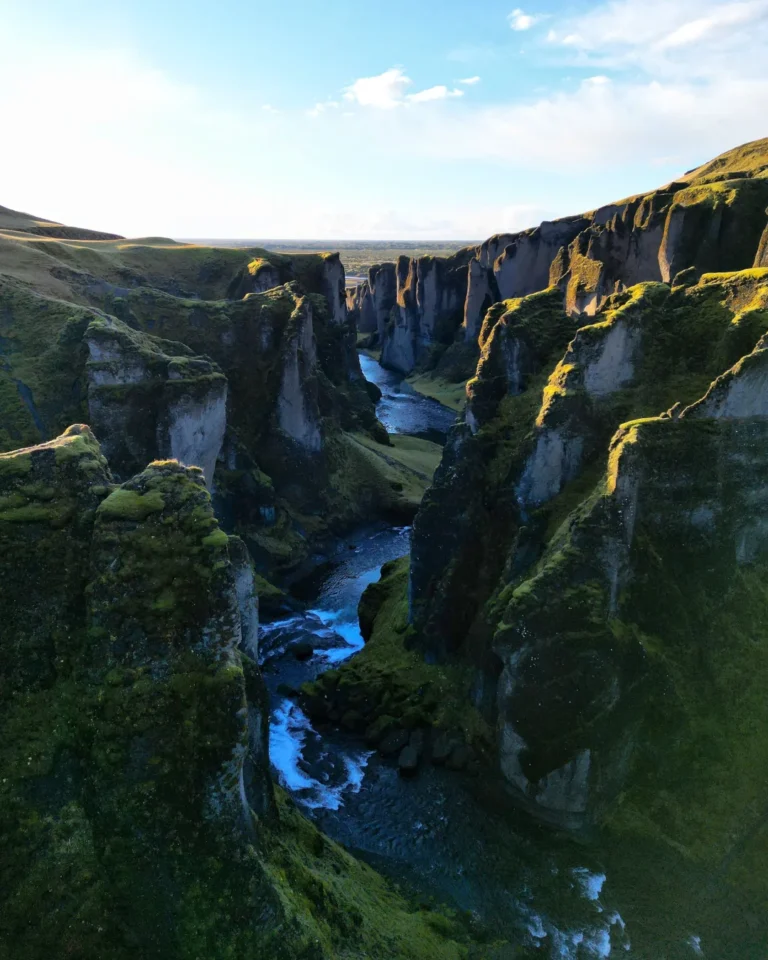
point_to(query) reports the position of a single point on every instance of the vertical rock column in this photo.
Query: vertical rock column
(172, 770)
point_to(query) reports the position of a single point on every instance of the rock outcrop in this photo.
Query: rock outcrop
(371, 302)
(761, 260)
(514, 265)
(135, 791)
(242, 362)
(598, 566)
(428, 309)
(531, 434)
(149, 398)
(298, 413)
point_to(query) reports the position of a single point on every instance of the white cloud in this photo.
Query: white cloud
(664, 37)
(385, 91)
(434, 93)
(470, 81)
(601, 124)
(691, 91)
(268, 108)
(388, 90)
(519, 20)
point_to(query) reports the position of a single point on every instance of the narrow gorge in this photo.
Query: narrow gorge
(420, 618)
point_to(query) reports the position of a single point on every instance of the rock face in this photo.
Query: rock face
(334, 288)
(599, 565)
(513, 266)
(530, 433)
(373, 300)
(649, 531)
(297, 410)
(138, 625)
(761, 260)
(135, 789)
(712, 219)
(148, 398)
(241, 362)
(428, 308)
(48, 497)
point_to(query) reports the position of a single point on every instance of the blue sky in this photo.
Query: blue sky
(435, 119)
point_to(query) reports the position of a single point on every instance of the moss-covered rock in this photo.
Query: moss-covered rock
(711, 219)
(238, 358)
(649, 602)
(137, 814)
(48, 499)
(388, 686)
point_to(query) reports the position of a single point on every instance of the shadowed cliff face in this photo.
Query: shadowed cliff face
(135, 790)
(372, 301)
(607, 588)
(427, 309)
(761, 260)
(605, 593)
(134, 623)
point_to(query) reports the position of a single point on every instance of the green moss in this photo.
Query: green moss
(345, 907)
(393, 676)
(216, 539)
(393, 476)
(451, 395)
(129, 505)
(266, 590)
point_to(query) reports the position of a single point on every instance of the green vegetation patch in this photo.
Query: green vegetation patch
(388, 683)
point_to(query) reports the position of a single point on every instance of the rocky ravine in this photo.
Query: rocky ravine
(240, 361)
(590, 559)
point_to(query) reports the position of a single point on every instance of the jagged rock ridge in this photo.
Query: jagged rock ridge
(711, 219)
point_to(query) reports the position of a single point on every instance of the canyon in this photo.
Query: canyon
(564, 657)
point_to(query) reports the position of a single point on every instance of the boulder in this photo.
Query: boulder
(442, 748)
(301, 650)
(408, 761)
(460, 757)
(393, 742)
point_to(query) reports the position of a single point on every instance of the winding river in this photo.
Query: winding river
(436, 834)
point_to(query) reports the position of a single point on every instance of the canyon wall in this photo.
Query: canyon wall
(712, 219)
(593, 550)
(242, 362)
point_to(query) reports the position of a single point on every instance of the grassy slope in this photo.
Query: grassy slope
(750, 158)
(452, 395)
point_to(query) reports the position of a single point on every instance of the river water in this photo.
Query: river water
(438, 835)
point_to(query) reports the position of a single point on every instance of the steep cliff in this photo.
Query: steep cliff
(710, 219)
(598, 568)
(532, 435)
(428, 308)
(240, 361)
(137, 813)
(372, 301)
